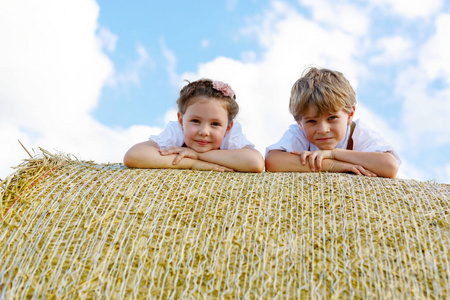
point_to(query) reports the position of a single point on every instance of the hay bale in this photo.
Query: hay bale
(75, 229)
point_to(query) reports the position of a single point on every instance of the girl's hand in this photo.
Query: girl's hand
(340, 167)
(207, 166)
(314, 158)
(181, 151)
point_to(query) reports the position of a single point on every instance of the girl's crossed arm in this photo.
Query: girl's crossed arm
(246, 159)
(147, 155)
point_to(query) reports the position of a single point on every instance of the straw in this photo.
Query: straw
(77, 229)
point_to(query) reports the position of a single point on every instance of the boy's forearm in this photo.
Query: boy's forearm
(281, 161)
(242, 160)
(383, 164)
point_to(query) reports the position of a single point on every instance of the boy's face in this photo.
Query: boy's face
(325, 131)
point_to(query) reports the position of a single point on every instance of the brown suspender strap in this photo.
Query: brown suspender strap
(350, 138)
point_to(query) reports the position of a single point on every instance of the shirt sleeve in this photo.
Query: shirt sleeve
(172, 135)
(235, 139)
(293, 139)
(367, 140)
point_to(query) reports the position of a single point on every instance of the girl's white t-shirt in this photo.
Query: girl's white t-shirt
(173, 135)
(364, 140)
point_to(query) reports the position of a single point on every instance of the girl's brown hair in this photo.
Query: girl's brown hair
(204, 88)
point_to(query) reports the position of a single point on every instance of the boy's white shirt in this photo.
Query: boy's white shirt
(364, 140)
(172, 135)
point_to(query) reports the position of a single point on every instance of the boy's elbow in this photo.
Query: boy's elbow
(391, 168)
(270, 167)
(271, 163)
(390, 174)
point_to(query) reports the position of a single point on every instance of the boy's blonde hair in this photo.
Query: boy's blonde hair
(325, 90)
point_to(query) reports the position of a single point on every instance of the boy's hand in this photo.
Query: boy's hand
(340, 167)
(314, 158)
(207, 166)
(181, 151)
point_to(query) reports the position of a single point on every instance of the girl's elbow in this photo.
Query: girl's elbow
(255, 162)
(132, 159)
(258, 167)
(129, 161)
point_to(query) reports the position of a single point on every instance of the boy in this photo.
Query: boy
(325, 137)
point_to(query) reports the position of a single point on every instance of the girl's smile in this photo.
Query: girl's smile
(202, 143)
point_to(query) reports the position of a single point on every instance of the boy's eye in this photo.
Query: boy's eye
(332, 118)
(195, 121)
(310, 122)
(215, 124)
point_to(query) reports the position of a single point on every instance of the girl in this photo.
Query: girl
(205, 136)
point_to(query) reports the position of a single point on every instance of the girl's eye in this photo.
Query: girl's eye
(215, 124)
(195, 121)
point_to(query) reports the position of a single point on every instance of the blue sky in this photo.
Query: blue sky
(194, 33)
(91, 78)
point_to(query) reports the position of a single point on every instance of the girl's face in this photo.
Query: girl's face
(205, 123)
(325, 131)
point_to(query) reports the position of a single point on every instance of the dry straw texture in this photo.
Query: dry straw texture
(73, 229)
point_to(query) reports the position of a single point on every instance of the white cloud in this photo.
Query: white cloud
(434, 57)
(48, 56)
(171, 62)
(377, 122)
(133, 73)
(409, 170)
(393, 50)
(264, 27)
(53, 70)
(426, 108)
(445, 171)
(107, 39)
(171, 115)
(411, 8)
(248, 56)
(338, 14)
(424, 111)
